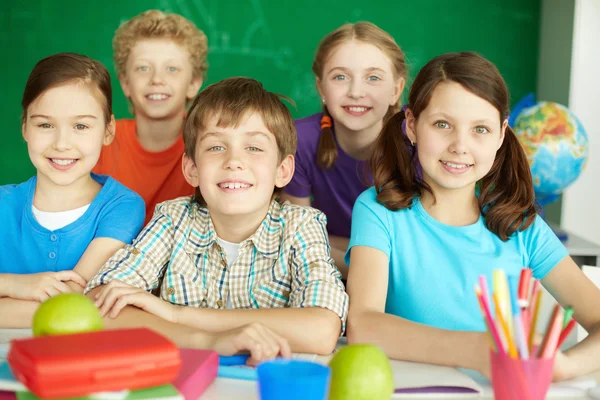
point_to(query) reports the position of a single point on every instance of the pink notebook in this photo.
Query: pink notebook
(198, 370)
(7, 395)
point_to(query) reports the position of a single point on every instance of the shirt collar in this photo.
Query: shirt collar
(266, 239)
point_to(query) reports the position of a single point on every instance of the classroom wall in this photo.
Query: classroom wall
(554, 66)
(271, 40)
(581, 213)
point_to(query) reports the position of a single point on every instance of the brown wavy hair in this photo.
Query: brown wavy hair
(506, 199)
(363, 32)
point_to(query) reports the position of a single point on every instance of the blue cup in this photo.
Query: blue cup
(293, 380)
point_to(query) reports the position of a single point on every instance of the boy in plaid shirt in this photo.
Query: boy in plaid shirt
(257, 273)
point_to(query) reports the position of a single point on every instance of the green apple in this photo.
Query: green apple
(66, 313)
(361, 372)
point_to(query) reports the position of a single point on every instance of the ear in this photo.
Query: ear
(398, 88)
(502, 134)
(24, 131)
(319, 88)
(411, 123)
(193, 88)
(190, 171)
(285, 171)
(125, 85)
(109, 134)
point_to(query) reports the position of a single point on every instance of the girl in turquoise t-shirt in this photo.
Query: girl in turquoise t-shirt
(420, 238)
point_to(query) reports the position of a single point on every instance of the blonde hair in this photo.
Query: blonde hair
(363, 32)
(155, 24)
(230, 100)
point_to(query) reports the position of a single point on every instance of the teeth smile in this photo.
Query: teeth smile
(357, 109)
(62, 162)
(233, 185)
(157, 96)
(456, 166)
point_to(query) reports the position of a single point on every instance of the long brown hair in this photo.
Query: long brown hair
(63, 68)
(506, 198)
(363, 32)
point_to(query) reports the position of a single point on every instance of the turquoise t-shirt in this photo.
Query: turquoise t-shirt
(433, 267)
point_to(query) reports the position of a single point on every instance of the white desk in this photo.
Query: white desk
(245, 390)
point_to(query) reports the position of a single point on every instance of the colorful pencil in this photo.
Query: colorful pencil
(537, 301)
(524, 283)
(484, 288)
(566, 332)
(492, 326)
(548, 347)
(568, 316)
(501, 291)
(520, 338)
(487, 325)
(512, 350)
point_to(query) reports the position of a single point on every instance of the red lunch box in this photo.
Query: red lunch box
(83, 363)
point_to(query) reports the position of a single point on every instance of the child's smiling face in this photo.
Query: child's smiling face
(237, 168)
(65, 130)
(359, 85)
(457, 137)
(159, 79)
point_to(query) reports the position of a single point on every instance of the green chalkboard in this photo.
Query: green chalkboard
(270, 40)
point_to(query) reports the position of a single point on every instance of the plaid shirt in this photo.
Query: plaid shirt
(285, 263)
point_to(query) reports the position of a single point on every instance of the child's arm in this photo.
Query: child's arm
(399, 338)
(339, 244)
(317, 299)
(261, 342)
(308, 330)
(20, 295)
(96, 254)
(570, 287)
(40, 286)
(318, 303)
(17, 313)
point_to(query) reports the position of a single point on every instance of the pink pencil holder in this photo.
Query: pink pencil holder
(516, 379)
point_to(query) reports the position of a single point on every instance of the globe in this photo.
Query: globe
(556, 146)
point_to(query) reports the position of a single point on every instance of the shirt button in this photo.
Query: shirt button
(134, 251)
(219, 303)
(52, 255)
(170, 290)
(53, 237)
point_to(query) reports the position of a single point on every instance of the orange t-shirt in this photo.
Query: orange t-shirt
(156, 176)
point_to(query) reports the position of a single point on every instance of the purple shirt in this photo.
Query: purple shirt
(334, 190)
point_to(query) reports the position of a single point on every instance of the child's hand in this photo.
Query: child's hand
(262, 343)
(41, 286)
(562, 367)
(562, 363)
(116, 295)
(483, 363)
